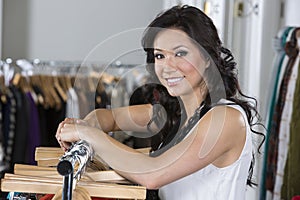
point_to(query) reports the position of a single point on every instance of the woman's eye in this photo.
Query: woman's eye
(181, 53)
(159, 56)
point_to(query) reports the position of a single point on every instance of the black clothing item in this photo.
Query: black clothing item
(22, 127)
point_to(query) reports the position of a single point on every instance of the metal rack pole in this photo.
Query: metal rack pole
(65, 168)
(80, 152)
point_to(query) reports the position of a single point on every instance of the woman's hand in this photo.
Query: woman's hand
(67, 132)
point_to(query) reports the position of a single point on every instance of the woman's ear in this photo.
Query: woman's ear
(207, 63)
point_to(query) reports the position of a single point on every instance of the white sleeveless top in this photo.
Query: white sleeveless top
(213, 183)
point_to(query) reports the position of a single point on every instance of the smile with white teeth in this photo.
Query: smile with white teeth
(174, 80)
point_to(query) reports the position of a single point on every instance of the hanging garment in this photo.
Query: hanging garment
(9, 126)
(278, 67)
(83, 102)
(280, 63)
(2, 163)
(53, 117)
(33, 139)
(284, 132)
(291, 181)
(72, 107)
(276, 118)
(22, 126)
(41, 113)
(101, 99)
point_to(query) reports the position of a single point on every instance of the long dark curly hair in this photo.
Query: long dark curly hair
(200, 28)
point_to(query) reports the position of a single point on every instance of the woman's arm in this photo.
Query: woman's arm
(131, 118)
(210, 142)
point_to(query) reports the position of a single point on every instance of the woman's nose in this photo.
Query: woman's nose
(170, 64)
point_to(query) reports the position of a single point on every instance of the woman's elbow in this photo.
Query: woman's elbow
(151, 184)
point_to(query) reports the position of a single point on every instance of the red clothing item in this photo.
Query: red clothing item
(47, 197)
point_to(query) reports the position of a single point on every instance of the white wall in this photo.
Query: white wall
(69, 30)
(292, 13)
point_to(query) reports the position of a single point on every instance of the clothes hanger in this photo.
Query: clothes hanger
(46, 180)
(50, 86)
(36, 85)
(108, 176)
(46, 185)
(44, 86)
(59, 88)
(62, 83)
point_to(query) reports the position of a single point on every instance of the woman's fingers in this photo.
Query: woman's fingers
(61, 124)
(63, 141)
(57, 135)
(67, 120)
(70, 120)
(69, 133)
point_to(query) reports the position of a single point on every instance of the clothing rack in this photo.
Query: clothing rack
(54, 71)
(35, 96)
(67, 67)
(9, 67)
(46, 180)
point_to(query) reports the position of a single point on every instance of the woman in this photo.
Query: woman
(202, 125)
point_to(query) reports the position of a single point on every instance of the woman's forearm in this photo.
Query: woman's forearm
(132, 118)
(103, 119)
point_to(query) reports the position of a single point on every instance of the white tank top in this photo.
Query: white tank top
(213, 183)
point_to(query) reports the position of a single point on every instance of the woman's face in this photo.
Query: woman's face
(179, 65)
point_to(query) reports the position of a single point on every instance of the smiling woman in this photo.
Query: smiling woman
(193, 155)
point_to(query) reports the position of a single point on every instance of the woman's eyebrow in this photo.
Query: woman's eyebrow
(157, 49)
(174, 48)
(179, 46)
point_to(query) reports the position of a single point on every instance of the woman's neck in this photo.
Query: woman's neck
(191, 104)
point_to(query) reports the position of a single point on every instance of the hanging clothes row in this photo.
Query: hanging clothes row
(281, 172)
(34, 101)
